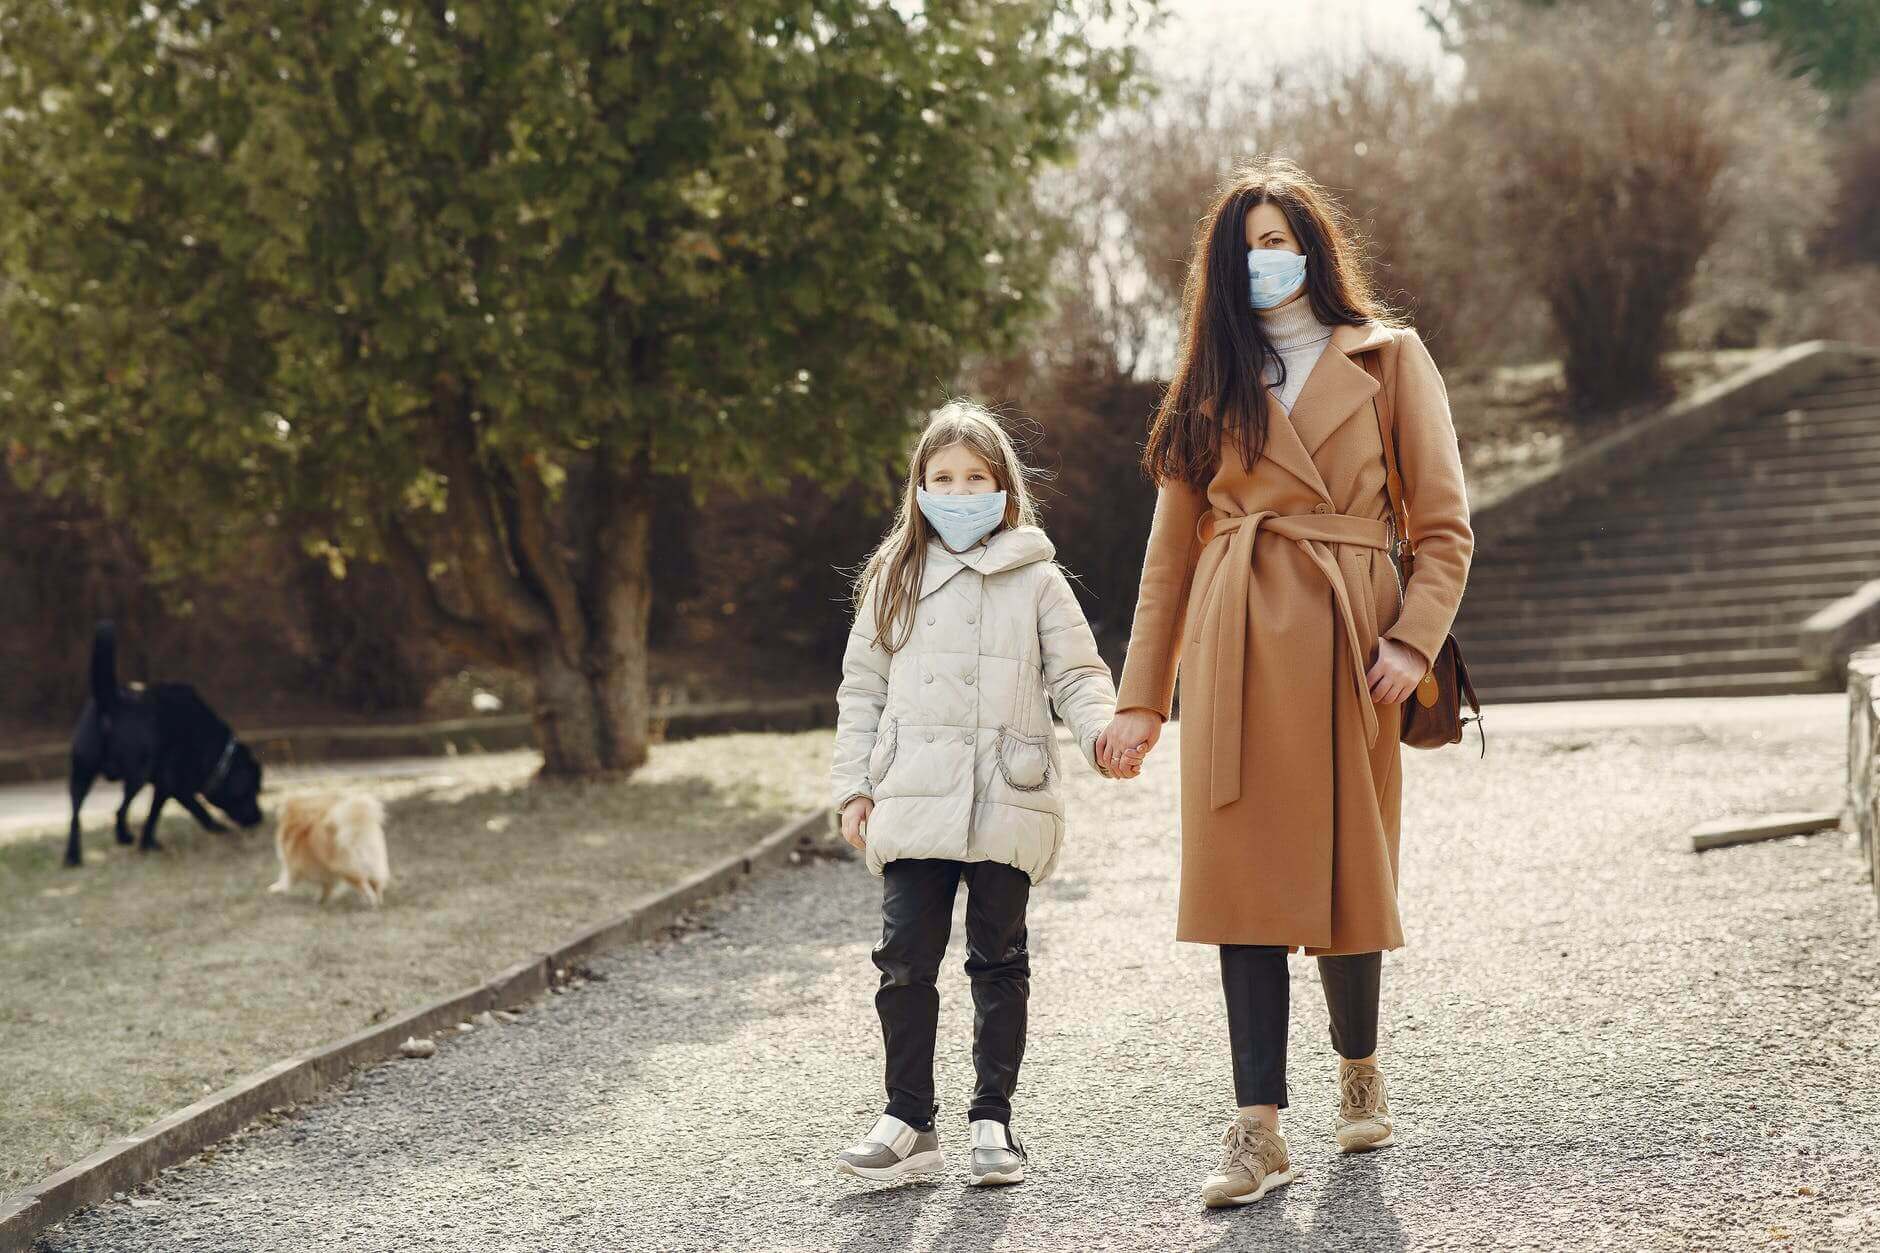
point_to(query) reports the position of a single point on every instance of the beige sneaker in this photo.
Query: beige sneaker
(1254, 1164)
(1363, 1113)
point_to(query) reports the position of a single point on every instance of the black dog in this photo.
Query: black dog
(163, 735)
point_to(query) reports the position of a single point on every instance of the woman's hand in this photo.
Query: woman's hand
(1127, 740)
(1396, 672)
(854, 814)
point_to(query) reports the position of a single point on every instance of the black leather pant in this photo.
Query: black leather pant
(1254, 978)
(916, 917)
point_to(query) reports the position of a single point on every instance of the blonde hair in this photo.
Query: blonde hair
(894, 569)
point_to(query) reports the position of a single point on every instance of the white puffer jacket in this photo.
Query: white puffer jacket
(950, 735)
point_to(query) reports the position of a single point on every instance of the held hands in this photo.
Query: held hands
(1127, 741)
(1396, 672)
(854, 814)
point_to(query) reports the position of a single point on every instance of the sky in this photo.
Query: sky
(1258, 30)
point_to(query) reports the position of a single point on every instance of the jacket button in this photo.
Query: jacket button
(1321, 507)
(931, 619)
(969, 680)
(970, 619)
(969, 739)
(930, 737)
(926, 678)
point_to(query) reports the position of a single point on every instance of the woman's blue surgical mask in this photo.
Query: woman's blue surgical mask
(962, 519)
(1276, 275)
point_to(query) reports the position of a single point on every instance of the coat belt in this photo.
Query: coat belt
(1223, 636)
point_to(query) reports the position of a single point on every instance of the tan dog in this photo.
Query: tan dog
(333, 840)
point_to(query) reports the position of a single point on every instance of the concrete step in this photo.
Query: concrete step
(1796, 422)
(1484, 613)
(1852, 517)
(1775, 683)
(1492, 584)
(1812, 410)
(1711, 533)
(1615, 555)
(1832, 400)
(1532, 646)
(1492, 629)
(1759, 464)
(1705, 549)
(1699, 600)
(1658, 665)
(1856, 520)
(1852, 373)
(1712, 500)
(1790, 450)
(1725, 583)
(1772, 483)
(1793, 426)
(1780, 482)
(1864, 381)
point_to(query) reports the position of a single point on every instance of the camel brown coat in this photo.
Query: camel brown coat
(1269, 592)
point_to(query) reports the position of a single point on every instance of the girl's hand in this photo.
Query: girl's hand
(1396, 672)
(854, 814)
(1127, 740)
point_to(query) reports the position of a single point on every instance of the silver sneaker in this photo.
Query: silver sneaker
(998, 1155)
(891, 1151)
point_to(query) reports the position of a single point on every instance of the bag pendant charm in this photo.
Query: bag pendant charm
(1426, 689)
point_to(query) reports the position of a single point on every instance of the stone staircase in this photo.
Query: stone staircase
(1691, 573)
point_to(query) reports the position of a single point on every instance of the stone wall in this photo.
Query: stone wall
(1863, 754)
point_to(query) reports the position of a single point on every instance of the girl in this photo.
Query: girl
(1269, 565)
(946, 768)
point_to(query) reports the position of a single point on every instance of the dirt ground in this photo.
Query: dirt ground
(137, 984)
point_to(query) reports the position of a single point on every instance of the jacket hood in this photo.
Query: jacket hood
(1006, 550)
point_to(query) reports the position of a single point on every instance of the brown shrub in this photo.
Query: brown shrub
(1619, 147)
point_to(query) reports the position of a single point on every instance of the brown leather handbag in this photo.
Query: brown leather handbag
(1433, 716)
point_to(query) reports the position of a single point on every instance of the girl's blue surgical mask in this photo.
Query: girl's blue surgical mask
(962, 520)
(1276, 275)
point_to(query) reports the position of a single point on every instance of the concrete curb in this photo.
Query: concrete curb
(490, 733)
(1728, 831)
(1765, 386)
(128, 1162)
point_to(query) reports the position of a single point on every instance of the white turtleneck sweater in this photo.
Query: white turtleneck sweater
(1299, 337)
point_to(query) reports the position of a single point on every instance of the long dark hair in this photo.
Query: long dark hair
(1224, 349)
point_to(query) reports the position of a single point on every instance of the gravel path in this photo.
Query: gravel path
(1594, 1039)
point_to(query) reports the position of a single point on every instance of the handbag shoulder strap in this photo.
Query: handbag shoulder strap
(1393, 480)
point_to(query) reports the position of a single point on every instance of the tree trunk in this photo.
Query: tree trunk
(592, 716)
(590, 723)
(561, 591)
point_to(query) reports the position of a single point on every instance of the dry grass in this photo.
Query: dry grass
(1515, 424)
(133, 987)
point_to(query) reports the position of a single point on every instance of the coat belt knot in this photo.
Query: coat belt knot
(1223, 628)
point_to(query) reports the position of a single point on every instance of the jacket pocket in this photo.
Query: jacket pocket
(887, 742)
(1024, 760)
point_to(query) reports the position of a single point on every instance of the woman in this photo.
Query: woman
(1269, 571)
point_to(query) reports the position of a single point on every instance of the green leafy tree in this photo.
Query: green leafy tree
(447, 285)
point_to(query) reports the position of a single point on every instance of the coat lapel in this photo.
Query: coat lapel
(1337, 387)
(1285, 449)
